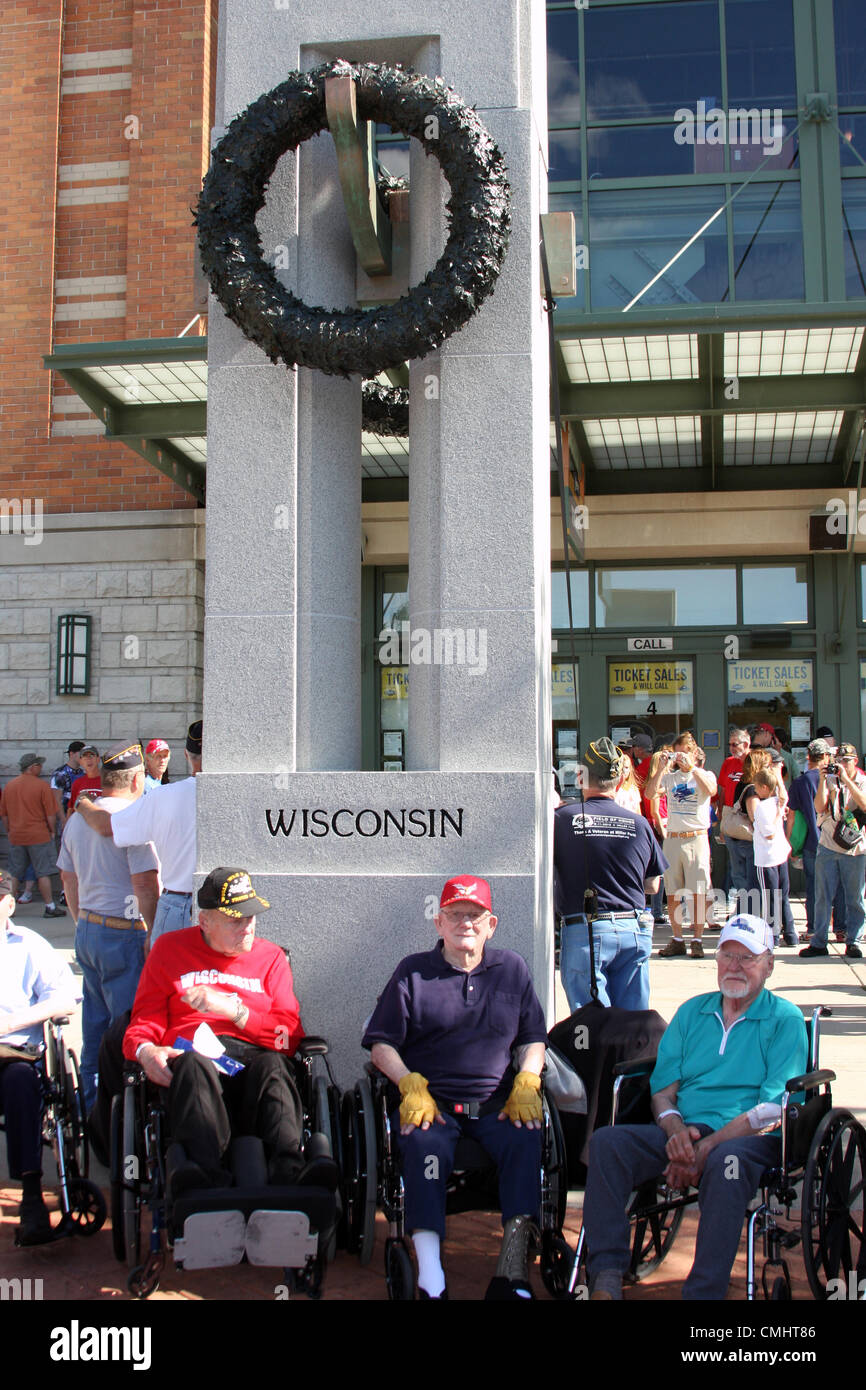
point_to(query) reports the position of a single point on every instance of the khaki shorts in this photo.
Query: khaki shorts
(688, 864)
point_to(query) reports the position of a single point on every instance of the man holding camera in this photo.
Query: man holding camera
(689, 789)
(840, 860)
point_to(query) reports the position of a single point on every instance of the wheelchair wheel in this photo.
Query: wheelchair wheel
(557, 1259)
(74, 1120)
(554, 1182)
(126, 1161)
(654, 1231)
(87, 1209)
(359, 1151)
(399, 1272)
(832, 1221)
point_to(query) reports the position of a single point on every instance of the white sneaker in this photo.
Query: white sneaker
(26, 897)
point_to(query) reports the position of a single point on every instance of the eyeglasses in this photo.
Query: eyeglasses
(455, 918)
(746, 961)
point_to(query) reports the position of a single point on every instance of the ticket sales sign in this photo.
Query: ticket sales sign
(650, 679)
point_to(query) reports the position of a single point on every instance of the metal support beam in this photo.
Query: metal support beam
(635, 399)
(180, 419)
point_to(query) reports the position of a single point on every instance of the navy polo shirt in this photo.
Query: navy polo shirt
(614, 846)
(458, 1029)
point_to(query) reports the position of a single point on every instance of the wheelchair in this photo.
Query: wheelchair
(372, 1180)
(823, 1164)
(251, 1220)
(64, 1130)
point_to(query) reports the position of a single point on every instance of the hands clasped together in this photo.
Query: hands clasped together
(687, 1153)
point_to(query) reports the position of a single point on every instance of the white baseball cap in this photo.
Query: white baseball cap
(749, 931)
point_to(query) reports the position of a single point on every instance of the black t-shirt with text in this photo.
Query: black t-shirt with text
(613, 846)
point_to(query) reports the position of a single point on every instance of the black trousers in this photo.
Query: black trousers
(206, 1108)
(21, 1104)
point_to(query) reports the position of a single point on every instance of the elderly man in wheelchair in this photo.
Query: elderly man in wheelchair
(453, 1015)
(716, 1090)
(36, 985)
(214, 1025)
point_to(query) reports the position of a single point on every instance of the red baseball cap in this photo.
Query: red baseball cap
(467, 889)
(768, 728)
(157, 745)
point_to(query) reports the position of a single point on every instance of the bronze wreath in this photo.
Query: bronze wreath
(343, 342)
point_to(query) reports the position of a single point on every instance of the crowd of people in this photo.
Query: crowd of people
(458, 1031)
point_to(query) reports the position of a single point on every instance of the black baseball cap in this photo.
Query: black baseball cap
(123, 757)
(231, 891)
(75, 747)
(604, 758)
(193, 738)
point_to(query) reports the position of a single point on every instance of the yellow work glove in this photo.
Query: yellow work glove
(417, 1106)
(524, 1103)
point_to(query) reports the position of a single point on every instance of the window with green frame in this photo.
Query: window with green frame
(632, 88)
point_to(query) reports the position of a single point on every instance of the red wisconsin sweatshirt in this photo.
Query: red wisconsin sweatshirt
(182, 959)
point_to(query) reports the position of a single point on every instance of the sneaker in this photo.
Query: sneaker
(791, 940)
(815, 951)
(26, 896)
(54, 912)
(852, 950)
(662, 921)
(34, 1223)
(697, 950)
(62, 900)
(675, 947)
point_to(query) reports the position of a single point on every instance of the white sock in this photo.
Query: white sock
(50, 905)
(431, 1277)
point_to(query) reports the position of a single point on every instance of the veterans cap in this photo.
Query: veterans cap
(846, 750)
(28, 759)
(157, 745)
(231, 891)
(467, 889)
(90, 748)
(749, 931)
(193, 738)
(123, 757)
(818, 747)
(604, 758)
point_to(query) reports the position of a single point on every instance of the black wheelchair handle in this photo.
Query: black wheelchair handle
(810, 1080)
(636, 1068)
(60, 1019)
(312, 1046)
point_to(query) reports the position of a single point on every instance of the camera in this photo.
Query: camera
(831, 770)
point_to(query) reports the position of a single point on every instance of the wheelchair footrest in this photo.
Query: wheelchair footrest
(280, 1238)
(211, 1240)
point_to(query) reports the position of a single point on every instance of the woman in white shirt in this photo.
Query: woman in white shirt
(770, 844)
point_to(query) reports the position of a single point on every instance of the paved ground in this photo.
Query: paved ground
(81, 1269)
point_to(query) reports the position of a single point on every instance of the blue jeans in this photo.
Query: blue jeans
(111, 961)
(834, 872)
(621, 950)
(740, 861)
(621, 1157)
(173, 913)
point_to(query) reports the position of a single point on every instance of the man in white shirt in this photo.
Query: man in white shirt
(689, 790)
(840, 861)
(35, 984)
(166, 818)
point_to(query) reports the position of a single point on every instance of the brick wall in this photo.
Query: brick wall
(102, 150)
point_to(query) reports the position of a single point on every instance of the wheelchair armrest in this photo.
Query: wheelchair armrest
(312, 1046)
(637, 1068)
(62, 1020)
(809, 1080)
